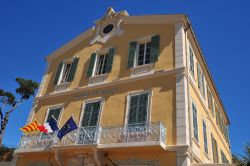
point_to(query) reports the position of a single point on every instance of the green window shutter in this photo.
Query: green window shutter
(110, 59)
(138, 109)
(142, 108)
(73, 70)
(133, 109)
(155, 48)
(91, 64)
(131, 54)
(58, 72)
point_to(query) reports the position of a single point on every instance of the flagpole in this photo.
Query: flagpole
(73, 116)
(45, 132)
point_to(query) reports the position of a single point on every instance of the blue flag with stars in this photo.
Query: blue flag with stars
(69, 126)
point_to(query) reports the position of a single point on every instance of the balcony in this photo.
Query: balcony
(103, 137)
(145, 133)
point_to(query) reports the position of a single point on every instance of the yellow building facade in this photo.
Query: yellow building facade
(140, 92)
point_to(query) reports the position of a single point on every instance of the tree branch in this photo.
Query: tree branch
(13, 108)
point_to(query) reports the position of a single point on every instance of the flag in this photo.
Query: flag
(49, 127)
(69, 126)
(30, 127)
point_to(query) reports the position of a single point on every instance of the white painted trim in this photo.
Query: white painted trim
(142, 40)
(99, 99)
(54, 107)
(192, 118)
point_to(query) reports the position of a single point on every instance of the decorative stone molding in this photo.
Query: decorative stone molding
(98, 79)
(137, 161)
(111, 17)
(143, 69)
(62, 87)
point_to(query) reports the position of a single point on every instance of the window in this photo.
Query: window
(195, 122)
(138, 109)
(66, 71)
(205, 137)
(143, 54)
(226, 133)
(201, 81)
(210, 101)
(53, 112)
(144, 51)
(214, 149)
(191, 59)
(224, 158)
(91, 114)
(217, 114)
(101, 62)
(101, 67)
(88, 131)
(107, 29)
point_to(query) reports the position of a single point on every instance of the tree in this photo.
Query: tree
(9, 102)
(245, 159)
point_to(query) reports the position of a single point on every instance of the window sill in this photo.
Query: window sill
(143, 69)
(62, 87)
(98, 79)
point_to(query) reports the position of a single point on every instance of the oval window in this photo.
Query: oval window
(108, 28)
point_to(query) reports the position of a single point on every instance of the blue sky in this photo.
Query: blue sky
(30, 30)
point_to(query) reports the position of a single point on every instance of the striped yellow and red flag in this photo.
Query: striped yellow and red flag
(31, 127)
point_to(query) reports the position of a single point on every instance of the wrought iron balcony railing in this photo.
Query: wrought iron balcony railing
(143, 132)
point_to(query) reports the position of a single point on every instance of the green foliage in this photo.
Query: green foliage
(4, 149)
(7, 97)
(245, 159)
(26, 88)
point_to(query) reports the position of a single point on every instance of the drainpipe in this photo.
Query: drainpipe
(188, 83)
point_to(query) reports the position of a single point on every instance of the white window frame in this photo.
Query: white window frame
(145, 41)
(54, 107)
(99, 52)
(65, 62)
(193, 103)
(202, 88)
(149, 107)
(101, 100)
(205, 122)
(191, 71)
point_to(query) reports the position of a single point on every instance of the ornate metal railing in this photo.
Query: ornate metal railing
(143, 132)
(83, 135)
(35, 141)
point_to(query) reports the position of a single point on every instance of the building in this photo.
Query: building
(141, 92)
